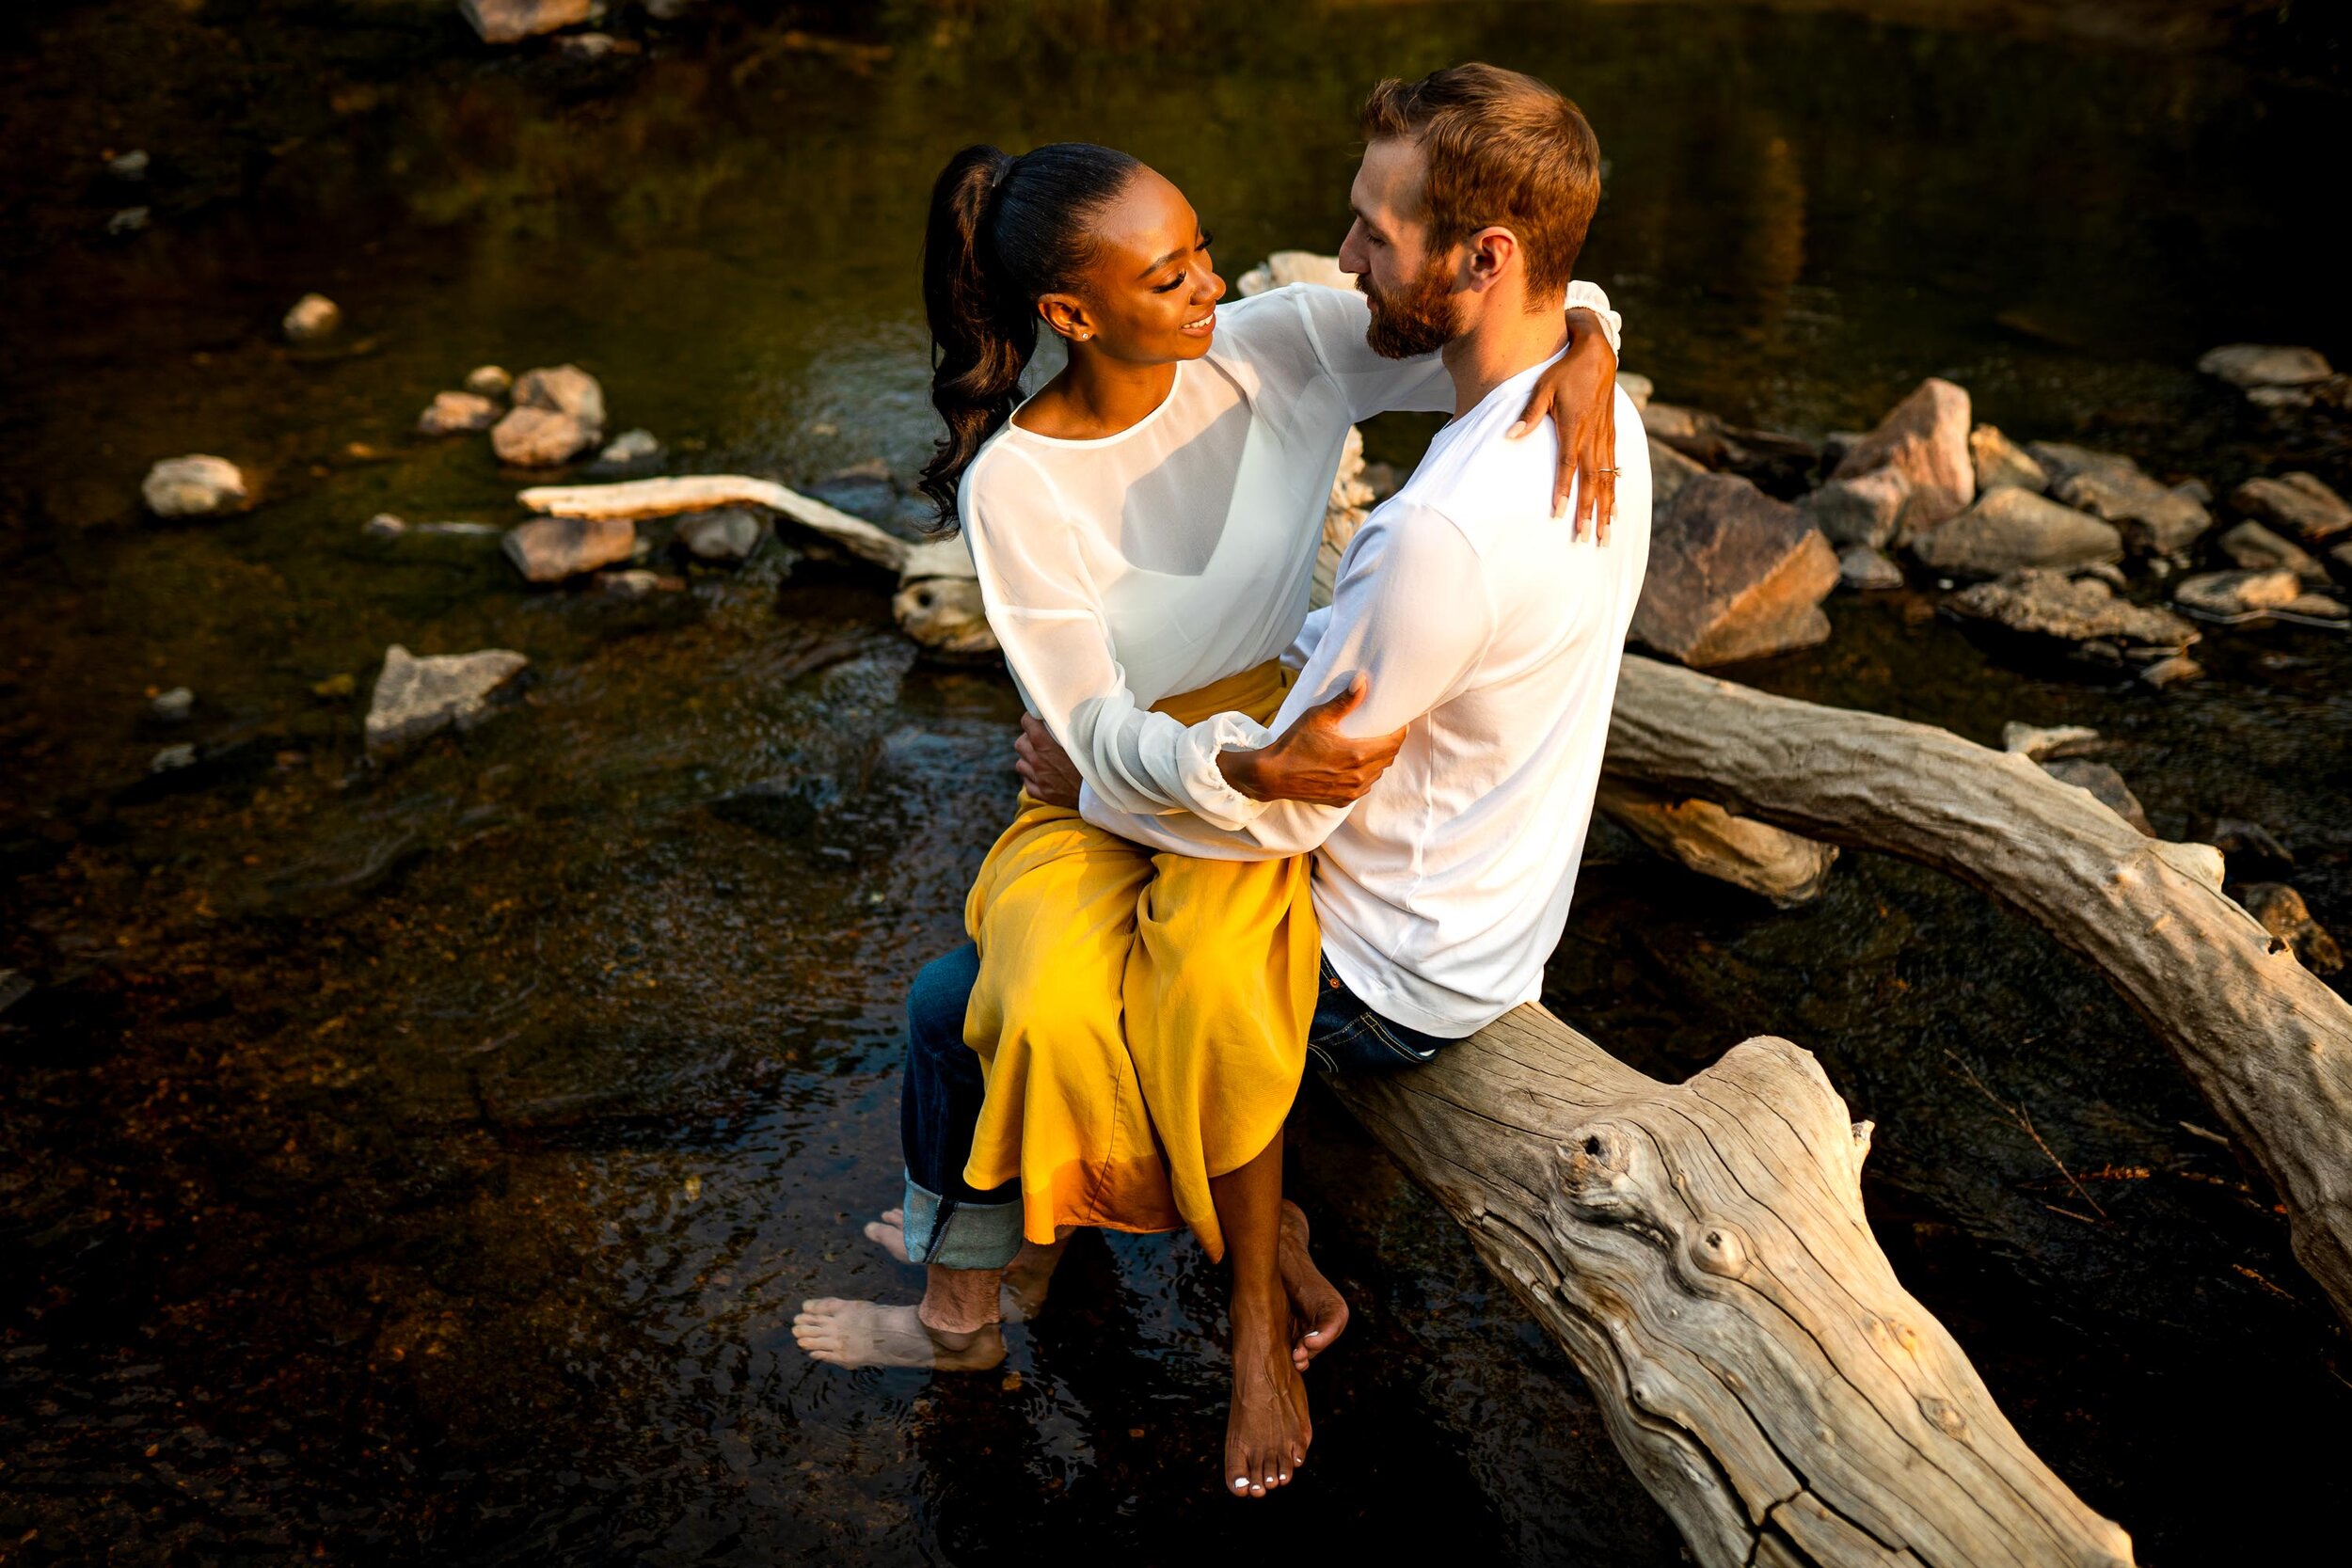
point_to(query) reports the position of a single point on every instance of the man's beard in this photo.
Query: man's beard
(1421, 318)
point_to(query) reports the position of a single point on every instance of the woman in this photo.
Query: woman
(1145, 528)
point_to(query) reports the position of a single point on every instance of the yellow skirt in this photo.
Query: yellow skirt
(1141, 1018)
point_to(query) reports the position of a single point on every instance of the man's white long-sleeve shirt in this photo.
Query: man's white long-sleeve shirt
(1482, 623)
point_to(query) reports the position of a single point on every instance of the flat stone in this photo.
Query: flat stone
(1864, 510)
(2056, 740)
(2152, 517)
(195, 486)
(172, 758)
(489, 381)
(128, 221)
(2287, 399)
(2315, 607)
(1733, 575)
(552, 548)
(2264, 365)
(512, 20)
(2172, 671)
(2285, 916)
(2079, 611)
(2011, 528)
(539, 438)
(637, 582)
(383, 525)
(726, 534)
(173, 706)
(1866, 571)
(2105, 785)
(2256, 548)
(2300, 503)
(314, 319)
(1669, 471)
(132, 165)
(415, 697)
(456, 414)
(1998, 461)
(2237, 595)
(563, 389)
(1926, 436)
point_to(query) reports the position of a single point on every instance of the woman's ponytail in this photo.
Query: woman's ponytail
(1002, 232)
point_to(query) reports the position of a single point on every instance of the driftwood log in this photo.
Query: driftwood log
(1700, 1250)
(2268, 1044)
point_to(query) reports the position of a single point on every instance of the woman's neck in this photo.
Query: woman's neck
(1095, 396)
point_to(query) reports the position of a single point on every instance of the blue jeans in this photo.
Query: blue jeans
(949, 1223)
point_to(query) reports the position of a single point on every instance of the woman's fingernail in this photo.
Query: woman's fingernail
(1512, 434)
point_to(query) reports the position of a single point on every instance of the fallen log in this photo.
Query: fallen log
(1700, 1250)
(2267, 1043)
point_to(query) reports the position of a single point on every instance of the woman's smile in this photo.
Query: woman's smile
(1203, 328)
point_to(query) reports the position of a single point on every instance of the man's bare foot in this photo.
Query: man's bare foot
(1318, 1311)
(1026, 1277)
(1267, 1432)
(867, 1334)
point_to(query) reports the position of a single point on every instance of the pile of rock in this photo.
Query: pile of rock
(543, 419)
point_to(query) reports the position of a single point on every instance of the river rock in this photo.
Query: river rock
(2043, 743)
(195, 486)
(130, 167)
(1638, 388)
(513, 21)
(2171, 671)
(629, 448)
(2285, 916)
(563, 389)
(539, 438)
(1733, 575)
(173, 706)
(489, 381)
(2237, 595)
(1926, 436)
(2257, 549)
(726, 534)
(2251, 365)
(128, 221)
(2011, 528)
(314, 319)
(2298, 502)
(456, 414)
(2104, 786)
(414, 697)
(1863, 511)
(385, 525)
(2110, 485)
(1669, 471)
(2079, 611)
(1866, 571)
(172, 758)
(549, 549)
(1998, 461)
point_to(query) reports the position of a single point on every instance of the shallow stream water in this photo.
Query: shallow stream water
(422, 1162)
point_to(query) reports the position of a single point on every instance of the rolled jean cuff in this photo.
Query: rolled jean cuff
(958, 1235)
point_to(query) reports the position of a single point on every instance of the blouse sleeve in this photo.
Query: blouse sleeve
(1044, 608)
(1336, 320)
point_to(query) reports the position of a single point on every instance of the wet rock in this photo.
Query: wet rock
(456, 414)
(2078, 611)
(2314, 607)
(1998, 461)
(1669, 471)
(539, 438)
(1733, 575)
(513, 21)
(563, 389)
(1637, 387)
(549, 549)
(489, 381)
(2107, 484)
(2251, 365)
(2105, 785)
(195, 486)
(130, 167)
(172, 706)
(2298, 502)
(416, 697)
(2196, 490)
(1866, 570)
(383, 525)
(637, 582)
(172, 758)
(1864, 510)
(2056, 740)
(1926, 438)
(726, 535)
(2237, 595)
(1775, 462)
(128, 221)
(945, 617)
(2010, 530)
(2257, 549)
(2286, 917)
(2172, 671)
(630, 447)
(313, 320)
(588, 46)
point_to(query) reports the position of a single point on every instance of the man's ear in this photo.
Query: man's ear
(1066, 314)
(1486, 256)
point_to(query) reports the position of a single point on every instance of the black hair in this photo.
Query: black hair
(1003, 231)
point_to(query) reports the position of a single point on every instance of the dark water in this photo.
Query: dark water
(422, 1162)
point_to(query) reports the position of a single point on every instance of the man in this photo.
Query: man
(1464, 614)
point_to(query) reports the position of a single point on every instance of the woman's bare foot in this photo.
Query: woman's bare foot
(1026, 1277)
(1267, 1432)
(867, 1334)
(1318, 1311)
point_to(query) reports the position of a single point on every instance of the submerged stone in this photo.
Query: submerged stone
(415, 697)
(195, 486)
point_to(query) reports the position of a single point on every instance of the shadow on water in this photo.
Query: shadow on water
(422, 1161)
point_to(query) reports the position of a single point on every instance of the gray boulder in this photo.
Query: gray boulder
(2298, 502)
(1868, 571)
(1998, 461)
(726, 535)
(2010, 530)
(2251, 365)
(2257, 549)
(1733, 575)
(563, 389)
(195, 486)
(2104, 786)
(1926, 438)
(539, 438)
(456, 414)
(552, 548)
(415, 697)
(1864, 510)
(2110, 485)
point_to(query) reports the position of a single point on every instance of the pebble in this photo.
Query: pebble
(725, 535)
(635, 583)
(629, 448)
(552, 548)
(2252, 365)
(532, 438)
(1866, 570)
(314, 319)
(489, 381)
(198, 485)
(2172, 671)
(2000, 461)
(383, 525)
(128, 221)
(563, 389)
(456, 414)
(173, 706)
(131, 166)
(172, 758)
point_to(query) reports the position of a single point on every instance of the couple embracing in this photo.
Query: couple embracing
(1249, 835)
